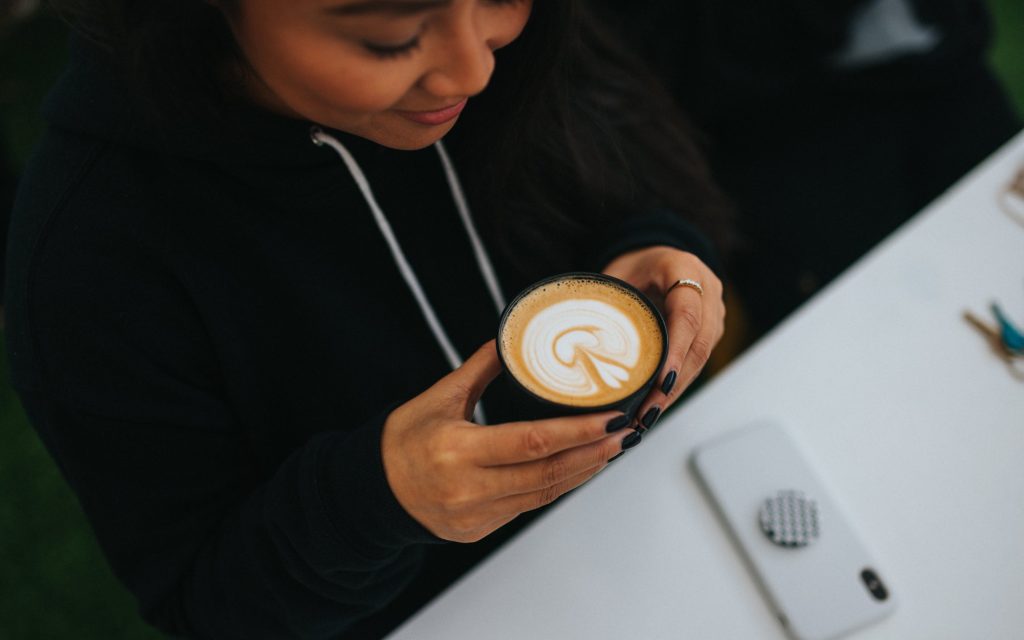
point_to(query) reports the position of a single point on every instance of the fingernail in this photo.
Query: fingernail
(615, 457)
(631, 440)
(617, 423)
(670, 381)
(651, 417)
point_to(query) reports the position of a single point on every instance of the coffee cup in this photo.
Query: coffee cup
(582, 342)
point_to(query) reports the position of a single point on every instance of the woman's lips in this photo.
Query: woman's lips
(434, 117)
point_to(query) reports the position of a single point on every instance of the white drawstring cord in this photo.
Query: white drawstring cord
(486, 270)
(454, 360)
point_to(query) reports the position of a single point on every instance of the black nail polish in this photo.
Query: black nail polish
(651, 417)
(615, 457)
(670, 381)
(631, 440)
(617, 423)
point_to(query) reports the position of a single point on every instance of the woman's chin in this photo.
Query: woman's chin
(398, 132)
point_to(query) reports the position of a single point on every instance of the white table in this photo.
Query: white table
(914, 424)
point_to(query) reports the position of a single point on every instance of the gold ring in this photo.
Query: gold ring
(686, 282)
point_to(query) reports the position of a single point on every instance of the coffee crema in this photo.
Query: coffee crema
(581, 341)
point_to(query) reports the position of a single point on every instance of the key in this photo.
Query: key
(1011, 336)
(991, 333)
(995, 340)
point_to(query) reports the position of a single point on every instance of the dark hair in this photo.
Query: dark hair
(588, 135)
(167, 49)
(591, 137)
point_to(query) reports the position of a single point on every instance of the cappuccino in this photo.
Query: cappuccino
(582, 340)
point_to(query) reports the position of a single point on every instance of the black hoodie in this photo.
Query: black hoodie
(207, 330)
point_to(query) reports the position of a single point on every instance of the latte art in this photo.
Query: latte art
(581, 340)
(581, 348)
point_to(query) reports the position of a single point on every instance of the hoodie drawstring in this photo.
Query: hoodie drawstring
(321, 138)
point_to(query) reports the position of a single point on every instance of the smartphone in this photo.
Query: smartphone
(811, 563)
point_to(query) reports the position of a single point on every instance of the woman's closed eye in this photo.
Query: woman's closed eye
(384, 50)
(393, 50)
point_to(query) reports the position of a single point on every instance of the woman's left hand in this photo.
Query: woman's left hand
(695, 321)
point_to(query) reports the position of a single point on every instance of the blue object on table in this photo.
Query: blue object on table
(1013, 338)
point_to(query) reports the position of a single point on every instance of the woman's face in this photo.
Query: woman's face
(394, 71)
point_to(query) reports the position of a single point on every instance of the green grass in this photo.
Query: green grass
(54, 582)
(1008, 53)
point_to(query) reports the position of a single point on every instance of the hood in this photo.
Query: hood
(93, 98)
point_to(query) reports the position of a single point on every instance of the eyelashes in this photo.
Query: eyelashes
(387, 52)
(393, 51)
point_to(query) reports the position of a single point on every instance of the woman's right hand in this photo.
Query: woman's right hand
(461, 480)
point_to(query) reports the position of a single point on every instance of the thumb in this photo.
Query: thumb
(467, 383)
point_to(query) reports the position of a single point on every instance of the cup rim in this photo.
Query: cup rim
(584, 275)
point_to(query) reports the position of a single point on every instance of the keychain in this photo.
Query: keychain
(1006, 341)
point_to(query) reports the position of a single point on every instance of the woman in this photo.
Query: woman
(242, 284)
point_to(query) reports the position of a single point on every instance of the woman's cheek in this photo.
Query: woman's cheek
(349, 90)
(349, 82)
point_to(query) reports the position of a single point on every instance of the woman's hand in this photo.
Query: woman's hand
(695, 322)
(461, 480)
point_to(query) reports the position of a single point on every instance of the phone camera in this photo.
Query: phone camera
(874, 584)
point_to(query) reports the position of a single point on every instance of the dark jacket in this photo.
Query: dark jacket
(208, 331)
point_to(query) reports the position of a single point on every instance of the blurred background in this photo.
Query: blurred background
(54, 582)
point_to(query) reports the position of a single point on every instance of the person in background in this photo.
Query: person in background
(240, 250)
(830, 123)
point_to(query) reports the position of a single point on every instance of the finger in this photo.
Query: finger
(516, 442)
(465, 385)
(492, 526)
(536, 475)
(685, 317)
(691, 340)
(534, 500)
(697, 355)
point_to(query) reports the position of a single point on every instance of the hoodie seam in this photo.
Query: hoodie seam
(86, 167)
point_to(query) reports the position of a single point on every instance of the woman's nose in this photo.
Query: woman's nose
(464, 64)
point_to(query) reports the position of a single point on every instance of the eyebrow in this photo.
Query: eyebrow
(393, 7)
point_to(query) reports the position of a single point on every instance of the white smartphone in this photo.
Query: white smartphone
(813, 567)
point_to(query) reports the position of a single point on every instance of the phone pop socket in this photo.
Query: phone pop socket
(790, 519)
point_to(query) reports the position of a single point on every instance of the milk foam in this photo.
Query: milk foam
(581, 341)
(581, 347)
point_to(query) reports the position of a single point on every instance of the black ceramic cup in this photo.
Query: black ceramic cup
(575, 294)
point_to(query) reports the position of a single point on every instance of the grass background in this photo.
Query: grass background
(54, 582)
